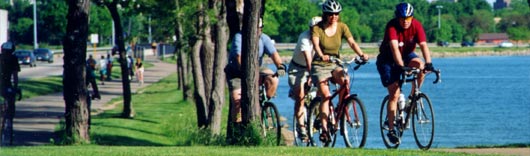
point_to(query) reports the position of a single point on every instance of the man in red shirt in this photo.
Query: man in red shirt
(396, 53)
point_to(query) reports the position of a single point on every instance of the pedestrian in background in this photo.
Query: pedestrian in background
(109, 67)
(139, 68)
(102, 69)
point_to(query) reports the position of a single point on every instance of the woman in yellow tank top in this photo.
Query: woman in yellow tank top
(327, 39)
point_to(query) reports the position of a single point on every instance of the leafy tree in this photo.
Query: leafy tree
(101, 24)
(51, 21)
(283, 22)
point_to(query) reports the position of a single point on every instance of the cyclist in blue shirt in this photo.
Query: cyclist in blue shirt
(233, 69)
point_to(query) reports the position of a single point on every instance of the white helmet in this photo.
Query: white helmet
(331, 6)
(314, 21)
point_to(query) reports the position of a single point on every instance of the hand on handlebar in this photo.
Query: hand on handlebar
(428, 67)
(281, 70)
(326, 58)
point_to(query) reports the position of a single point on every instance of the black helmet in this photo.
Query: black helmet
(8, 47)
(404, 10)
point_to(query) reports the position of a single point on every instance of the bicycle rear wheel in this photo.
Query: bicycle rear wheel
(423, 122)
(298, 140)
(270, 123)
(315, 125)
(384, 126)
(354, 123)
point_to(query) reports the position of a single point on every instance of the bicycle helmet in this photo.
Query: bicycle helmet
(404, 10)
(8, 47)
(314, 21)
(331, 6)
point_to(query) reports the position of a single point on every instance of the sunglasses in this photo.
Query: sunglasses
(408, 19)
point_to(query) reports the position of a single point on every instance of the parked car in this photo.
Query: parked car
(44, 54)
(467, 44)
(443, 43)
(506, 44)
(26, 57)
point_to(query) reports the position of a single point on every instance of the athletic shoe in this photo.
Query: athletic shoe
(392, 137)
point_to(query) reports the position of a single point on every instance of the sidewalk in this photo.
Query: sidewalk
(36, 118)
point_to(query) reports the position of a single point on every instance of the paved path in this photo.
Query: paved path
(36, 118)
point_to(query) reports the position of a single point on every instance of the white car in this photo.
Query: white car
(506, 44)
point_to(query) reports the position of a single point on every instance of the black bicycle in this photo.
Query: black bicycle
(348, 118)
(420, 110)
(7, 110)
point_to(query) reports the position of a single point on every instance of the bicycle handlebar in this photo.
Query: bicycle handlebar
(414, 71)
(341, 63)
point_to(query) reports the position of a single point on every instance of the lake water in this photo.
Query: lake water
(481, 101)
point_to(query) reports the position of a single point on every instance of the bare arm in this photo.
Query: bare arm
(426, 52)
(307, 56)
(276, 59)
(355, 47)
(318, 51)
(396, 53)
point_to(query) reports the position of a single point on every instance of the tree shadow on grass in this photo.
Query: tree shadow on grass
(114, 140)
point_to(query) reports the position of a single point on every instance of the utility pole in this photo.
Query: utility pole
(439, 23)
(35, 42)
(150, 38)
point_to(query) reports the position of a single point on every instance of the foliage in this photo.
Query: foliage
(284, 19)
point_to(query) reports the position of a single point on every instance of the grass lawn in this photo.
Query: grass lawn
(166, 125)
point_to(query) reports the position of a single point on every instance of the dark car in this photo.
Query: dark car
(26, 57)
(43, 54)
(443, 43)
(467, 44)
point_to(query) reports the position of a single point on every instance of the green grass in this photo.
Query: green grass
(41, 86)
(166, 125)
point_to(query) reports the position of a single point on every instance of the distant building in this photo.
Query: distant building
(500, 4)
(495, 38)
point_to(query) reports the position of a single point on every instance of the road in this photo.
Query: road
(42, 69)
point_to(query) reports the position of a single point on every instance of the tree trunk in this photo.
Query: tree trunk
(249, 62)
(178, 47)
(217, 98)
(127, 104)
(199, 95)
(75, 92)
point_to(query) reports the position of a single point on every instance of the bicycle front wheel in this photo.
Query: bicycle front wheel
(423, 122)
(354, 123)
(384, 125)
(270, 123)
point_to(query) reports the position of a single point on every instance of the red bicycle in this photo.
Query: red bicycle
(350, 115)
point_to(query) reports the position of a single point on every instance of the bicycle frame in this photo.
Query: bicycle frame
(341, 106)
(414, 74)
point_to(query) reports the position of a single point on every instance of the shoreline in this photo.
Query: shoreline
(373, 56)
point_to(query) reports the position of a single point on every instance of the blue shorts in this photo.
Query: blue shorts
(389, 70)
